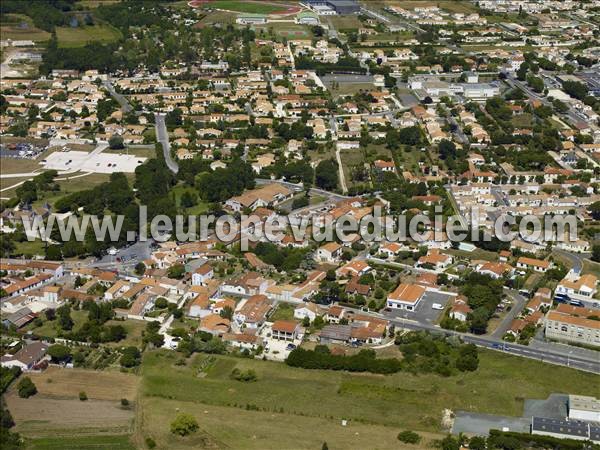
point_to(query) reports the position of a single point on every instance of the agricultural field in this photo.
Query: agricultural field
(80, 36)
(56, 409)
(112, 442)
(204, 388)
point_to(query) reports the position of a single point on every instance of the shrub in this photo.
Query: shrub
(83, 396)
(184, 424)
(124, 402)
(409, 437)
(150, 442)
(26, 388)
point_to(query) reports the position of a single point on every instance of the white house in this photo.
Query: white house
(202, 274)
(329, 252)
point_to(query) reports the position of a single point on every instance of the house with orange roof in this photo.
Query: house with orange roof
(353, 268)
(534, 264)
(578, 287)
(329, 252)
(406, 296)
(214, 324)
(434, 259)
(199, 306)
(202, 274)
(285, 330)
(494, 269)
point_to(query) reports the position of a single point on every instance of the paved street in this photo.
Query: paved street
(162, 136)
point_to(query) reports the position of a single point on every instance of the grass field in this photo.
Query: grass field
(65, 383)
(118, 442)
(246, 6)
(33, 248)
(397, 401)
(284, 311)
(56, 411)
(20, 27)
(453, 6)
(91, 4)
(80, 36)
(345, 22)
(49, 328)
(199, 208)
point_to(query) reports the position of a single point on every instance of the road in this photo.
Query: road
(125, 106)
(341, 171)
(312, 191)
(518, 304)
(162, 136)
(559, 356)
(571, 114)
(576, 259)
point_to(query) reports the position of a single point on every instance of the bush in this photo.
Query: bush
(184, 424)
(83, 396)
(26, 388)
(124, 402)
(150, 442)
(409, 437)
(249, 375)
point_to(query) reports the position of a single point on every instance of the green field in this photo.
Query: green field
(20, 27)
(200, 208)
(397, 401)
(80, 36)
(284, 311)
(246, 6)
(80, 442)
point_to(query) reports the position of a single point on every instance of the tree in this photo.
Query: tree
(184, 424)
(140, 268)
(26, 388)
(467, 361)
(116, 142)
(65, 322)
(59, 352)
(596, 253)
(83, 396)
(409, 437)
(131, 357)
(176, 271)
(326, 175)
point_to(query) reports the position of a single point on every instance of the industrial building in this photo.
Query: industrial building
(332, 7)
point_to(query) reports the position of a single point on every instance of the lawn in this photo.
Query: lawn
(50, 328)
(80, 36)
(401, 400)
(200, 208)
(246, 6)
(284, 311)
(32, 248)
(134, 330)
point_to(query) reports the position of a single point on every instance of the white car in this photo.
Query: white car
(437, 306)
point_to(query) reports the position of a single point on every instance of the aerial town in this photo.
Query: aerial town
(475, 123)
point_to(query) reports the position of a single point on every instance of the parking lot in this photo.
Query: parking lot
(93, 162)
(424, 312)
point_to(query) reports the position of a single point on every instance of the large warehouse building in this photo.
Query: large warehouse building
(341, 7)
